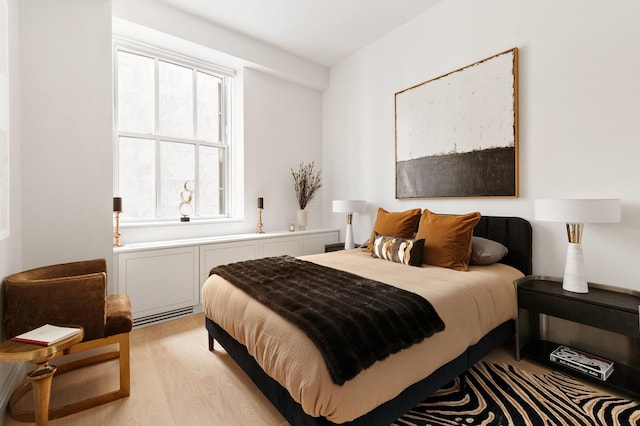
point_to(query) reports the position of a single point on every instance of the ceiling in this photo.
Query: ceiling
(322, 31)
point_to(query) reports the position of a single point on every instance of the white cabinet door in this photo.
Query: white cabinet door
(315, 243)
(160, 280)
(292, 246)
(213, 255)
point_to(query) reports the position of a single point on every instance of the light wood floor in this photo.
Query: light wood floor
(175, 380)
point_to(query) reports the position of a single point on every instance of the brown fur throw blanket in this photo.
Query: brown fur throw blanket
(354, 321)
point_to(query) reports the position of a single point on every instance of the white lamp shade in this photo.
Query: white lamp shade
(349, 206)
(575, 213)
(578, 210)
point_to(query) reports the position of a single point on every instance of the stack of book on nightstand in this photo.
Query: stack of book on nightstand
(594, 366)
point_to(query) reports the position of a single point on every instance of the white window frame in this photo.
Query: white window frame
(226, 143)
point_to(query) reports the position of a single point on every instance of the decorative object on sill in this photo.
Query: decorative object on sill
(575, 213)
(349, 207)
(260, 208)
(117, 209)
(186, 196)
(292, 227)
(301, 219)
(306, 182)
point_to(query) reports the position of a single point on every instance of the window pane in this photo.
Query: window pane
(210, 190)
(176, 100)
(177, 167)
(169, 117)
(135, 93)
(208, 107)
(137, 177)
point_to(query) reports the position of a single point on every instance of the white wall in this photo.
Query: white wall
(10, 248)
(579, 92)
(282, 129)
(65, 108)
(10, 253)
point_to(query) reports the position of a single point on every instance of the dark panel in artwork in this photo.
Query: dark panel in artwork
(490, 172)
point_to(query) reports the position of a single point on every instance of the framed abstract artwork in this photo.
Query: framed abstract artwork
(457, 134)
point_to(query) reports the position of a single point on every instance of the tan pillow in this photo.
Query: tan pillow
(447, 239)
(394, 224)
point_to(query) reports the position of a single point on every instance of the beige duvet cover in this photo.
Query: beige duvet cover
(470, 304)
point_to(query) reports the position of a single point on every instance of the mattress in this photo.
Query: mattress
(470, 303)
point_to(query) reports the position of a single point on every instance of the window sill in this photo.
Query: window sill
(177, 222)
(151, 245)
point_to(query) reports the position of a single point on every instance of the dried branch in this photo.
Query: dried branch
(306, 183)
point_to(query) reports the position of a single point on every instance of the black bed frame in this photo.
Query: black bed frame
(515, 233)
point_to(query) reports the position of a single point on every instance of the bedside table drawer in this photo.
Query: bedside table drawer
(336, 247)
(618, 321)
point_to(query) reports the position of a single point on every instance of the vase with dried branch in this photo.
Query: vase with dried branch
(306, 182)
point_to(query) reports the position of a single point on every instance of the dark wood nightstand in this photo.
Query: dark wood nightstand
(336, 247)
(604, 307)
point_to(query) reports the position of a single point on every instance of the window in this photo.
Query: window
(171, 135)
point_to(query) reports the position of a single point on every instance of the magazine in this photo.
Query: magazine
(585, 362)
(47, 335)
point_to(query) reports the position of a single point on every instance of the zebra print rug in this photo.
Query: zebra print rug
(501, 394)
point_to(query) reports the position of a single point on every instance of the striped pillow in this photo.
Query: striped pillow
(399, 250)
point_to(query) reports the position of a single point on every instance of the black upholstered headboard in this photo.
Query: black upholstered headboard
(513, 232)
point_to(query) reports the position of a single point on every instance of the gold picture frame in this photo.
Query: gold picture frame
(457, 135)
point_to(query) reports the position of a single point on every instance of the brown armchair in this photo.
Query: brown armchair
(71, 294)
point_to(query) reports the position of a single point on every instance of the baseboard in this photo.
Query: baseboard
(11, 383)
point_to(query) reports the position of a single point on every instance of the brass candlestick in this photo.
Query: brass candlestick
(117, 209)
(116, 232)
(260, 231)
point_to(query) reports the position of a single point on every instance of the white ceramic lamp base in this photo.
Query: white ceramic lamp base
(348, 239)
(574, 274)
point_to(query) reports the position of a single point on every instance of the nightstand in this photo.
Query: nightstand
(336, 247)
(604, 307)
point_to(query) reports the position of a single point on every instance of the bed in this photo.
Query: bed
(296, 383)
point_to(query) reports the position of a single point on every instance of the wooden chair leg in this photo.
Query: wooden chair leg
(125, 369)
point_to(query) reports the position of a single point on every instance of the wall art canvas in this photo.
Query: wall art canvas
(457, 134)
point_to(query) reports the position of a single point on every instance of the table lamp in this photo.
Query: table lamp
(575, 213)
(349, 207)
